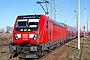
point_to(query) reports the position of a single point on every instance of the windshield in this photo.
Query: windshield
(31, 24)
(21, 24)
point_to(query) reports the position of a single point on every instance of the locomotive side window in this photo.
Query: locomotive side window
(47, 24)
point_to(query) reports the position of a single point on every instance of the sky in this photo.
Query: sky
(10, 9)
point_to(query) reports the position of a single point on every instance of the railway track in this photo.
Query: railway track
(56, 52)
(85, 47)
(67, 51)
(82, 43)
(53, 55)
(74, 54)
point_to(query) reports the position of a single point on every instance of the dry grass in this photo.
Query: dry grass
(78, 54)
(5, 38)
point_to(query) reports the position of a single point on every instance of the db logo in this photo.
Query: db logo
(25, 35)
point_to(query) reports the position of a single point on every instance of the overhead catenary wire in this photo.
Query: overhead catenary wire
(54, 9)
(65, 6)
(46, 11)
(53, 14)
(64, 15)
(56, 12)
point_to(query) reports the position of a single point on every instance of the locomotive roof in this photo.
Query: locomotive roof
(29, 16)
(37, 17)
(72, 28)
(58, 23)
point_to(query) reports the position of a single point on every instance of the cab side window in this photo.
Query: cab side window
(47, 24)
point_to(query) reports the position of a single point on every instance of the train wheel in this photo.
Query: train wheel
(49, 49)
(39, 52)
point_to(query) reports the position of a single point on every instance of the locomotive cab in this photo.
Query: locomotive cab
(27, 36)
(26, 29)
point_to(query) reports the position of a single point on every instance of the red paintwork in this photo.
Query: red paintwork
(71, 32)
(53, 33)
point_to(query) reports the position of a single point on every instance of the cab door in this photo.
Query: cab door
(45, 35)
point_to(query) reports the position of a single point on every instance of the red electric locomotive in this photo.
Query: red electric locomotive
(34, 34)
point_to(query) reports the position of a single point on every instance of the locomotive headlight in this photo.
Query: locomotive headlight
(16, 37)
(35, 37)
